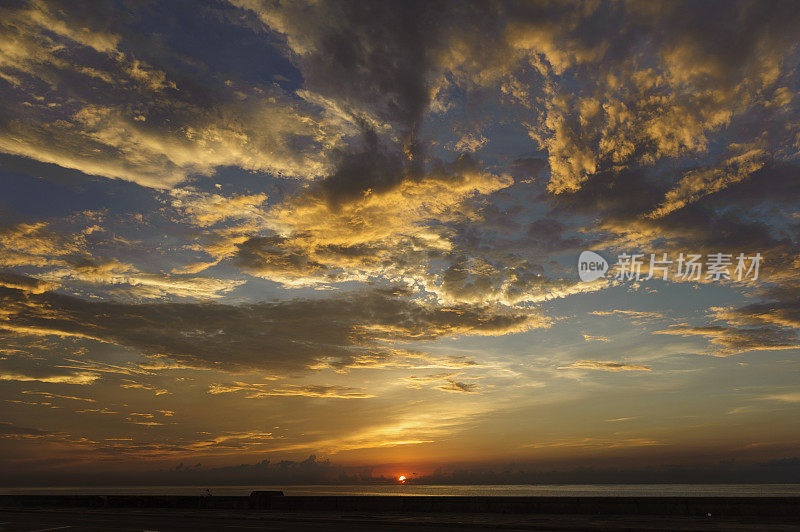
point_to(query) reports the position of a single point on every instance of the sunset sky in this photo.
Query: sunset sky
(248, 230)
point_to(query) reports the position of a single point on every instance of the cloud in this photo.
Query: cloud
(125, 119)
(592, 338)
(259, 391)
(627, 313)
(773, 313)
(790, 397)
(605, 366)
(371, 61)
(9, 429)
(75, 378)
(699, 183)
(150, 154)
(666, 85)
(391, 231)
(770, 325)
(22, 282)
(34, 244)
(398, 358)
(67, 258)
(127, 280)
(446, 382)
(547, 235)
(133, 385)
(621, 201)
(458, 387)
(96, 411)
(508, 280)
(344, 227)
(415, 381)
(57, 396)
(732, 340)
(282, 336)
(278, 258)
(205, 210)
(383, 208)
(597, 443)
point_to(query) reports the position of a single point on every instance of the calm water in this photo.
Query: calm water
(575, 490)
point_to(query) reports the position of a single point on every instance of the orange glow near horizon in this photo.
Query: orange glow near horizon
(401, 478)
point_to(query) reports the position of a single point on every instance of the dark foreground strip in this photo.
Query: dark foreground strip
(785, 507)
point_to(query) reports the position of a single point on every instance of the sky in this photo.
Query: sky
(251, 230)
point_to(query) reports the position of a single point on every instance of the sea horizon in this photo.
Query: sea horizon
(498, 490)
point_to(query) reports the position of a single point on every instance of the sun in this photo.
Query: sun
(401, 478)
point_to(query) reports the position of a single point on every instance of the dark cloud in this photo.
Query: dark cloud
(9, 429)
(768, 325)
(312, 470)
(505, 276)
(379, 62)
(275, 255)
(783, 312)
(458, 387)
(547, 235)
(378, 57)
(728, 221)
(373, 167)
(774, 184)
(22, 282)
(733, 35)
(620, 202)
(376, 54)
(726, 340)
(281, 336)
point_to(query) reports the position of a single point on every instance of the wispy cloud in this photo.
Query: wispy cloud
(605, 366)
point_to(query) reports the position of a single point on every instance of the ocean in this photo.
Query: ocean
(563, 490)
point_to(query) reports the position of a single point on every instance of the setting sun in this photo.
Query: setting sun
(401, 478)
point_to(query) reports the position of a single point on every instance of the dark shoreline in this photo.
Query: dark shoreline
(352, 513)
(276, 501)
